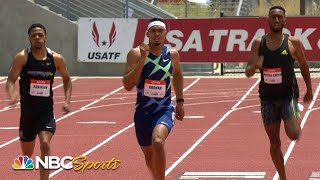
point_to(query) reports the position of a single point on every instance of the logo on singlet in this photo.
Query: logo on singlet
(284, 52)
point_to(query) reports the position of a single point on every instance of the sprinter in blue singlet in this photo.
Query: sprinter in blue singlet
(149, 68)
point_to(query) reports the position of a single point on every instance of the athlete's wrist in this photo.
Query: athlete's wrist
(180, 101)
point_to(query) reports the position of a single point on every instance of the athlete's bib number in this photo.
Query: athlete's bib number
(272, 75)
(40, 88)
(154, 88)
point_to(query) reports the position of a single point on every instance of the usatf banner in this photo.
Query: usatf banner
(197, 40)
(105, 40)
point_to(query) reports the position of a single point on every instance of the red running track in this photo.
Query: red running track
(219, 134)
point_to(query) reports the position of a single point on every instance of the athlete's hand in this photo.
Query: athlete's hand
(179, 111)
(14, 99)
(144, 48)
(66, 107)
(308, 97)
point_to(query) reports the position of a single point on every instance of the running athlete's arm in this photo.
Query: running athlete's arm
(253, 58)
(62, 69)
(177, 77)
(18, 62)
(177, 80)
(304, 68)
(135, 62)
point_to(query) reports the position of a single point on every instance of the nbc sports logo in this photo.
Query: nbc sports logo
(23, 163)
(79, 163)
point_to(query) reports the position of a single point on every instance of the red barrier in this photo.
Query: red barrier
(230, 39)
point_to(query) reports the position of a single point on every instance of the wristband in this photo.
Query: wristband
(180, 100)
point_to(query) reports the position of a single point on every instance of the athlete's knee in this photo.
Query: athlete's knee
(158, 143)
(295, 135)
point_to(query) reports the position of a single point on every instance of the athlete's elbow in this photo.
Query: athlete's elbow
(249, 74)
(250, 71)
(127, 86)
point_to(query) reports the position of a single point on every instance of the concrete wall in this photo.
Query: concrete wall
(15, 19)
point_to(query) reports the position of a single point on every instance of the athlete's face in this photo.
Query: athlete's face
(156, 35)
(37, 38)
(276, 20)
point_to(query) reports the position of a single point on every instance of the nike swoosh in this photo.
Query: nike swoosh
(165, 60)
(164, 123)
(49, 127)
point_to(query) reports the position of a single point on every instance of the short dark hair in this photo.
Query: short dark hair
(156, 19)
(35, 25)
(277, 7)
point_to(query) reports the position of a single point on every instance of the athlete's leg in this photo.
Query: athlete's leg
(159, 136)
(27, 133)
(273, 131)
(151, 135)
(143, 129)
(292, 120)
(155, 154)
(271, 118)
(44, 138)
(27, 147)
(148, 155)
(47, 128)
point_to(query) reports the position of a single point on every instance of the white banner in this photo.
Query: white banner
(105, 40)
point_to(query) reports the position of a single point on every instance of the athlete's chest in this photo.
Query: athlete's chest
(42, 69)
(158, 65)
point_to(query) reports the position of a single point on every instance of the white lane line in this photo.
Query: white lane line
(211, 175)
(315, 176)
(304, 120)
(210, 130)
(115, 135)
(2, 82)
(193, 117)
(8, 128)
(97, 122)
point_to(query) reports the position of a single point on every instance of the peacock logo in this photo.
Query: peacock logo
(22, 163)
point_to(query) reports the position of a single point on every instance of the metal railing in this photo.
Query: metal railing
(73, 9)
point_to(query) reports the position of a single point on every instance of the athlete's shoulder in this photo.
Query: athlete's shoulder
(295, 41)
(133, 55)
(256, 44)
(257, 40)
(22, 55)
(56, 56)
(173, 52)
